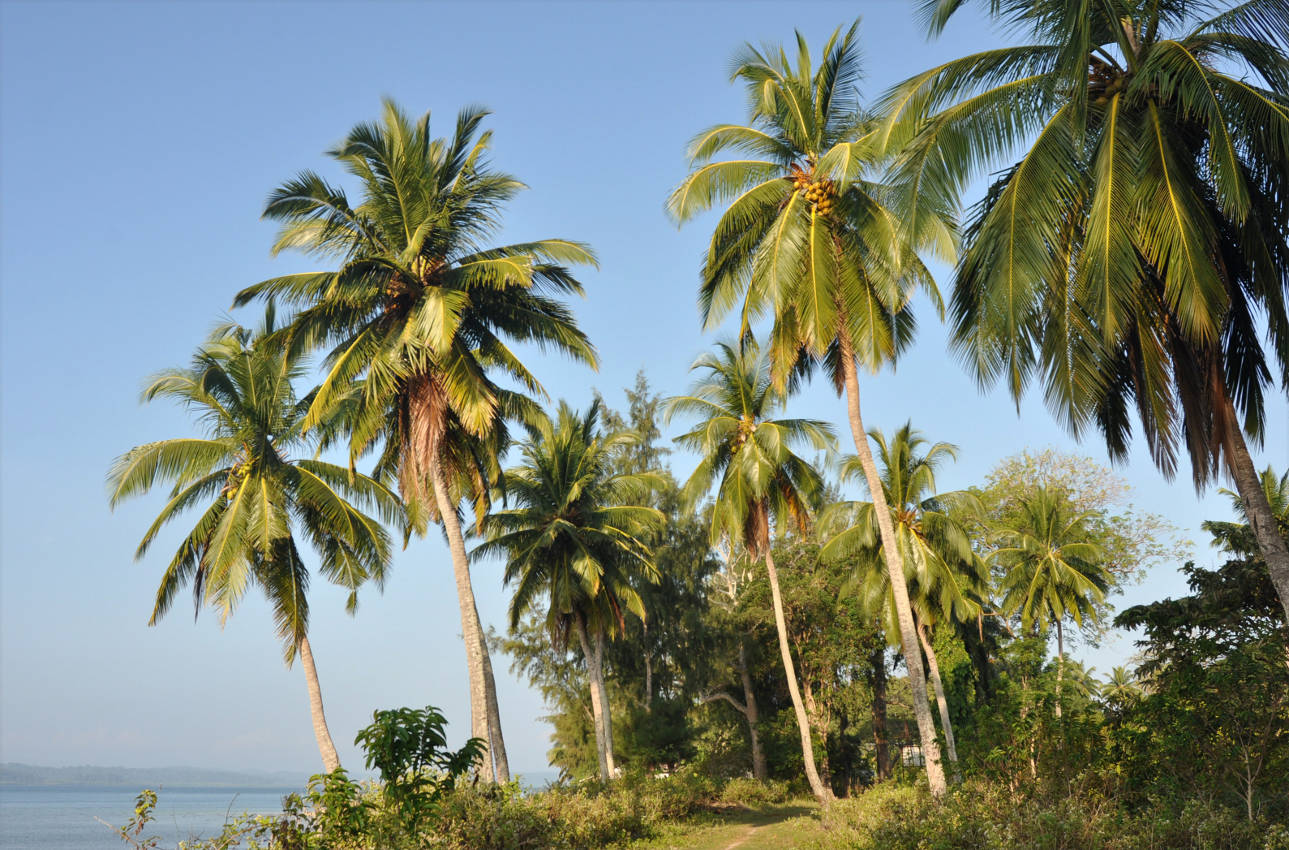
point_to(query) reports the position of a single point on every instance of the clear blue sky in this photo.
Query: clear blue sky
(137, 143)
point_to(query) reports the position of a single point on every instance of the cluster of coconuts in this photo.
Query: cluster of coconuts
(1104, 83)
(821, 193)
(745, 428)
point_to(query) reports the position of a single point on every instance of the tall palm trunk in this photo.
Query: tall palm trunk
(599, 699)
(753, 715)
(1060, 665)
(471, 628)
(501, 764)
(803, 722)
(895, 569)
(330, 758)
(880, 736)
(1266, 530)
(606, 708)
(933, 665)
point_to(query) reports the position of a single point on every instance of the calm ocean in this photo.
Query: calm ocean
(61, 817)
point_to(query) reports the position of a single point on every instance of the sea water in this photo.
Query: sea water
(62, 817)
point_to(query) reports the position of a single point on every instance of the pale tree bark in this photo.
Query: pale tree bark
(501, 764)
(933, 664)
(753, 715)
(606, 706)
(1060, 665)
(595, 674)
(823, 794)
(1266, 530)
(330, 758)
(471, 628)
(895, 569)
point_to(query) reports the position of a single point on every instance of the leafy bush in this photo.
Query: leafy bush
(978, 816)
(409, 749)
(754, 793)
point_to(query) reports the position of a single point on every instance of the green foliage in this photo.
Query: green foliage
(574, 533)
(1051, 569)
(337, 814)
(1134, 229)
(753, 793)
(982, 816)
(1214, 716)
(409, 749)
(256, 487)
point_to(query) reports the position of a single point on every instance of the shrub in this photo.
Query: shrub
(753, 793)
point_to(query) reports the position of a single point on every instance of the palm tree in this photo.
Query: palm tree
(1120, 690)
(1237, 537)
(945, 576)
(1053, 572)
(1125, 258)
(419, 308)
(760, 483)
(811, 238)
(574, 536)
(252, 480)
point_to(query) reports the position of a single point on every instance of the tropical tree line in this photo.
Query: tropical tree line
(1130, 254)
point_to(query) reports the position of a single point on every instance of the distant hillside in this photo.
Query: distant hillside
(13, 773)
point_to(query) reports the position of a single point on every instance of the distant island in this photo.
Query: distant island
(14, 773)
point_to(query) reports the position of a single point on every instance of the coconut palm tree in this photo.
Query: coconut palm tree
(1053, 572)
(256, 488)
(1130, 255)
(1120, 690)
(574, 537)
(1237, 537)
(946, 578)
(419, 308)
(810, 237)
(760, 484)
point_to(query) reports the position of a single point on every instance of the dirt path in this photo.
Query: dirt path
(773, 828)
(742, 839)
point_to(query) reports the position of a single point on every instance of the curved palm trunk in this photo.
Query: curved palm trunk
(471, 628)
(803, 722)
(752, 714)
(599, 698)
(501, 764)
(1256, 507)
(895, 569)
(330, 759)
(933, 665)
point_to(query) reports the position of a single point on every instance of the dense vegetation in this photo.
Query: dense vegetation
(732, 615)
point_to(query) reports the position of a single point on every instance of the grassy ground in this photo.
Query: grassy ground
(769, 828)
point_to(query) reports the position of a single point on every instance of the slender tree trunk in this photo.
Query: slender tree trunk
(818, 721)
(1060, 665)
(880, 736)
(606, 706)
(471, 628)
(803, 723)
(752, 714)
(895, 569)
(330, 759)
(648, 682)
(937, 683)
(594, 673)
(498, 750)
(1266, 530)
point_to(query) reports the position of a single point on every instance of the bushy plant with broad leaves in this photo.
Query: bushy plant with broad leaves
(409, 748)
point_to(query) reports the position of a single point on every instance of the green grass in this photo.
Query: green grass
(768, 828)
